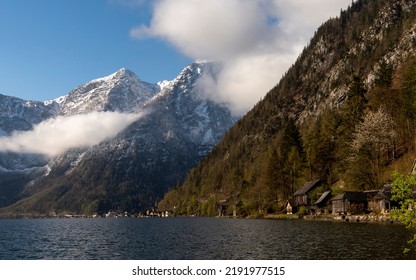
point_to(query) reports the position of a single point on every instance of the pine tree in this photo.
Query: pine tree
(384, 75)
(351, 113)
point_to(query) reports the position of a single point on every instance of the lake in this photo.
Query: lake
(198, 238)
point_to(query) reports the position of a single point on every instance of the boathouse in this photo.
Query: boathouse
(349, 203)
(381, 201)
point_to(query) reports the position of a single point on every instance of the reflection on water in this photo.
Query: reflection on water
(199, 238)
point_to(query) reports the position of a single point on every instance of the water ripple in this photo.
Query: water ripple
(198, 238)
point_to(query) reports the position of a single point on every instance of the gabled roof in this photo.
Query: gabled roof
(339, 197)
(371, 194)
(323, 197)
(352, 196)
(384, 193)
(307, 187)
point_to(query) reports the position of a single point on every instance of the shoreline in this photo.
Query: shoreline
(363, 218)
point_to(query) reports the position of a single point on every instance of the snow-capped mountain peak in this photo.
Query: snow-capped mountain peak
(163, 84)
(122, 74)
(121, 91)
(199, 120)
(141, 162)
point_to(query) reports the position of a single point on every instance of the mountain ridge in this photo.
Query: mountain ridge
(356, 66)
(131, 171)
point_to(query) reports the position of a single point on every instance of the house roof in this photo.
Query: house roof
(323, 197)
(384, 193)
(307, 187)
(339, 197)
(371, 194)
(351, 196)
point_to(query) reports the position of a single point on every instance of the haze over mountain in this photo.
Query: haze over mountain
(115, 143)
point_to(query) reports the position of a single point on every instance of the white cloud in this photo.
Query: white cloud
(55, 136)
(206, 29)
(256, 40)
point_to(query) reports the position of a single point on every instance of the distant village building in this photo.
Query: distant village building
(349, 203)
(222, 207)
(111, 214)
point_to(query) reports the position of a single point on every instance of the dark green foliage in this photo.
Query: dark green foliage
(12, 184)
(408, 86)
(101, 182)
(402, 193)
(384, 75)
(295, 134)
(353, 109)
(274, 149)
(274, 174)
(321, 139)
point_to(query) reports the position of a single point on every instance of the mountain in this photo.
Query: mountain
(20, 115)
(343, 113)
(132, 171)
(122, 91)
(16, 170)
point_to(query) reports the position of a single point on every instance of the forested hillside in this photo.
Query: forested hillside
(344, 113)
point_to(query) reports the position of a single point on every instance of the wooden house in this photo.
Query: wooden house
(381, 201)
(301, 195)
(349, 203)
(372, 203)
(322, 204)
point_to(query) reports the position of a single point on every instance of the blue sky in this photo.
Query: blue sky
(49, 47)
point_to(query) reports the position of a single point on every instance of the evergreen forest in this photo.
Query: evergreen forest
(345, 113)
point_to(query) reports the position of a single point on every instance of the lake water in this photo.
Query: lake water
(198, 238)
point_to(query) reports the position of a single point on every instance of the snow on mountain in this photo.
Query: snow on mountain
(135, 168)
(58, 100)
(163, 84)
(20, 115)
(203, 122)
(122, 91)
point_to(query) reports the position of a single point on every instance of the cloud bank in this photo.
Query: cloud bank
(256, 40)
(55, 136)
